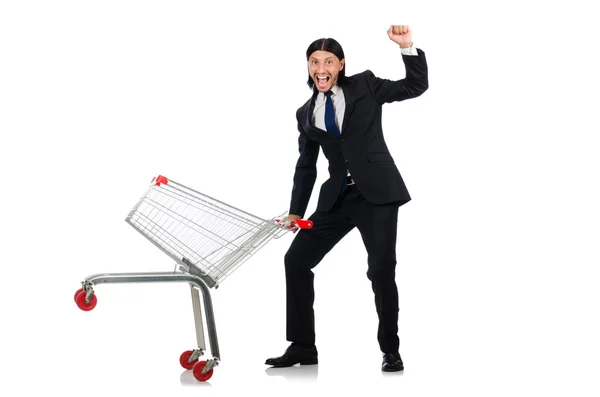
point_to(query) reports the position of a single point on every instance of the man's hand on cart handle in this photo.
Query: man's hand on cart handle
(295, 222)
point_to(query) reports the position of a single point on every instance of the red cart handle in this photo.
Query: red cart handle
(302, 224)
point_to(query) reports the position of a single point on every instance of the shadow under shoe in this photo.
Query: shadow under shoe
(295, 354)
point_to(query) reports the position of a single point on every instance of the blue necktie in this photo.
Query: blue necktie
(330, 116)
(331, 125)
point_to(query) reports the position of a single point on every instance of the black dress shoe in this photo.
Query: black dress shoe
(295, 354)
(392, 362)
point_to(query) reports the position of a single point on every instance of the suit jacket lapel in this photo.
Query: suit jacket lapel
(350, 97)
(307, 111)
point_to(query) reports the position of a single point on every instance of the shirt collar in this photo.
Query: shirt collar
(335, 90)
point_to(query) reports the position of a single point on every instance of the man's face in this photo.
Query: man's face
(324, 68)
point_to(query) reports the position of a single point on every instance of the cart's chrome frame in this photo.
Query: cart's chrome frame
(183, 275)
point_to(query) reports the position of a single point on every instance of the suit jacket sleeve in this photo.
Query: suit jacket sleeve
(306, 173)
(414, 84)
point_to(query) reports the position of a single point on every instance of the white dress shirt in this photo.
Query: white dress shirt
(339, 105)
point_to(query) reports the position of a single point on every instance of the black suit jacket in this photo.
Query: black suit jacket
(362, 149)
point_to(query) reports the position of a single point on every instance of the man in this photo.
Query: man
(364, 189)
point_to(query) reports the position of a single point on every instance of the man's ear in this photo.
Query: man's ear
(342, 62)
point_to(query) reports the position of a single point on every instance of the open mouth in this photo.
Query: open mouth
(322, 80)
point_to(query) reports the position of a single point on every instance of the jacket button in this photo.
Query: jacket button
(342, 140)
(348, 162)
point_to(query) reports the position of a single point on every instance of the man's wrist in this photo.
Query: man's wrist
(409, 50)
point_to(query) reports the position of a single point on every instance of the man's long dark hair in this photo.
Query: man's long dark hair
(329, 45)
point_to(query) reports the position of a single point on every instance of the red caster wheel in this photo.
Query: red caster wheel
(197, 371)
(183, 360)
(77, 293)
(80, 301)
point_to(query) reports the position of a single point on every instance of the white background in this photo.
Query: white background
(497, 252)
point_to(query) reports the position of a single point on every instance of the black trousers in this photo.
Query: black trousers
(378, 227)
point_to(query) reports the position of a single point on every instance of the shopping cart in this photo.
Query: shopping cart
(207, 239)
